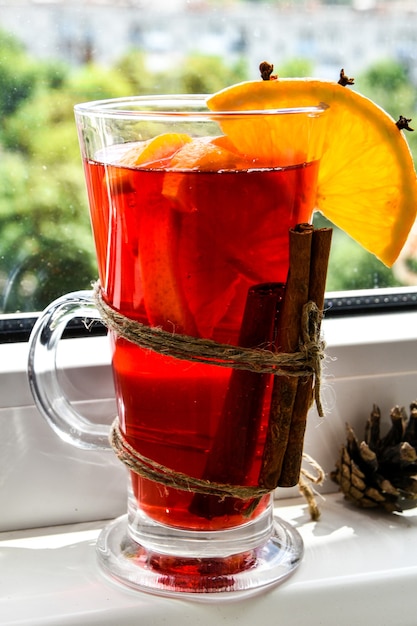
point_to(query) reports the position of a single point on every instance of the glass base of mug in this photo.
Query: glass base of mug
(201, 563)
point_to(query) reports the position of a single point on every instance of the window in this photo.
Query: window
(55, 53)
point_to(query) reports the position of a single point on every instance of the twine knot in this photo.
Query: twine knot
(312, 347)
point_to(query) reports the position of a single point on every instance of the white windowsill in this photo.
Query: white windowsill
(359, 568)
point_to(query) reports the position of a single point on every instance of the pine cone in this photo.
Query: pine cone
(381, 472)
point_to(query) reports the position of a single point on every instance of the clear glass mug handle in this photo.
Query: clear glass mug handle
(52, 403)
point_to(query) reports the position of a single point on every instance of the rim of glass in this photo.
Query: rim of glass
(163, 105)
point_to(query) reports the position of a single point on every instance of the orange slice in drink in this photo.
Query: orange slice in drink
(234, 223)
(210, 284)
(203, 154)
(210, 154)
(154, 152)
(163, 294)
(367, 183)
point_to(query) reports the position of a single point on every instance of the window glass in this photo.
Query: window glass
(54, 53)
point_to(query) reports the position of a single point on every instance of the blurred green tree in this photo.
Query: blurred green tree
(46, 245)
(299, 67)
(204, 74)
(388, 83)
(17, 74)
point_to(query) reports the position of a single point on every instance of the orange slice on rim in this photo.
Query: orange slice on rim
(367, 183)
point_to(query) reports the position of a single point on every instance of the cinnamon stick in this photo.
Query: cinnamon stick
(234, 445)
(288, 334)
(291, 466)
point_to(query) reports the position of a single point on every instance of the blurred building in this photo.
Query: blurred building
(331, 35)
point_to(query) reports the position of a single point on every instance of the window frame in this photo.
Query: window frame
(17, 327)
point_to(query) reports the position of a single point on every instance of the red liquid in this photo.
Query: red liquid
(180, 250)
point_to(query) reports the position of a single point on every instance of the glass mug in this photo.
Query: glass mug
(191, 236)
